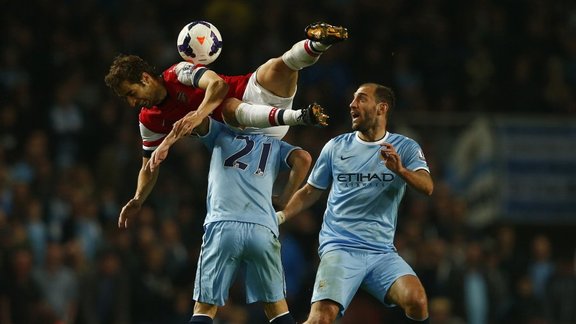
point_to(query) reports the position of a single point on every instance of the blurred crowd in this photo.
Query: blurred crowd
(70, 152)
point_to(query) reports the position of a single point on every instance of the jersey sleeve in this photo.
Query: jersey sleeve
(321, 175)
(209, 139)
(189, 74)
(413, 157)
(150, 140)
(285, 150)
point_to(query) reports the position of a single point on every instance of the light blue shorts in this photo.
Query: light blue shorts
(341, 273)
(228, 247)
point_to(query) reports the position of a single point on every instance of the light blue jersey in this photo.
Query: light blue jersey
(250, 163)
(241, 228)
(364, 197)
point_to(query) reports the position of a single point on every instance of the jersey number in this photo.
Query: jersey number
(233, 160)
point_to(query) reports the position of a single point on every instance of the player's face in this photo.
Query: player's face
(144, 94)
(363, 109)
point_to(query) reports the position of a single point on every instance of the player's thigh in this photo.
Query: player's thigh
(384, 270)
(276, 77)
(338, 277)
(264, 271)
(217, 262)
(257, 93)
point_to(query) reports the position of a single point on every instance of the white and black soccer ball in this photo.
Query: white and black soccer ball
(199, 42)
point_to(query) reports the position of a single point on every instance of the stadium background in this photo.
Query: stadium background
(487, 87)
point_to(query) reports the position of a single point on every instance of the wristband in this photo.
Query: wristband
(281, 217)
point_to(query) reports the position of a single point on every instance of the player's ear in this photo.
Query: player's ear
(145, 78)
(381, 108)
(386, 106)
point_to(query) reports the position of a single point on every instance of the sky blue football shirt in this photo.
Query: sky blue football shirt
(362, 206)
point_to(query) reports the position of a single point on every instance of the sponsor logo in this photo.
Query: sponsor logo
(364, 179)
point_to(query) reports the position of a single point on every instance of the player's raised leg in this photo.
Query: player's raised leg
(237, 113)
(280, 75)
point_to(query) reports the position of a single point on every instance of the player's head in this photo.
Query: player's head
(370, 106)
(384, 95)
(134, 79)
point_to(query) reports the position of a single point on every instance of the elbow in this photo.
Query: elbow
(221, 87)
(307, 159)
(304, 159)
(429, 189)
(300, 162)
(426, 183)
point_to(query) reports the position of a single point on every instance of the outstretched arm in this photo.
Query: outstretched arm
(302, 199)
(419, 180)
(299, 161)
(161, 152)
(146, 181)
(216, 90)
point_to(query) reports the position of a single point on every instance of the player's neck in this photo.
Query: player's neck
(162, 91)
(373, 134)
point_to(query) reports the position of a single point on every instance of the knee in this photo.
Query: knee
(418, 300)
(416, 304)
(229, 107)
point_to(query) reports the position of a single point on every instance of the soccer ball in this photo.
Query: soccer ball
(199, 42)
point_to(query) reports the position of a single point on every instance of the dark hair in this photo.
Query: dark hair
(127, 68)
(382, 94)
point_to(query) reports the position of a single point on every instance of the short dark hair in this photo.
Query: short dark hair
(127, 68)
(382, 94)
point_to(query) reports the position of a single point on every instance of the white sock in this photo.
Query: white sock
(261, 116)
(303, 54)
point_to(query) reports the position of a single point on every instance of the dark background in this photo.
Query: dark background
(70, 152)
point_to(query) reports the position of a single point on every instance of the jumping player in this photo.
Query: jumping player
(175, 102)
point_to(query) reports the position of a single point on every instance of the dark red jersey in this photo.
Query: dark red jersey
(181, 82)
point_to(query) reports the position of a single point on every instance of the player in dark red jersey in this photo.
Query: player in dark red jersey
(175, 102)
